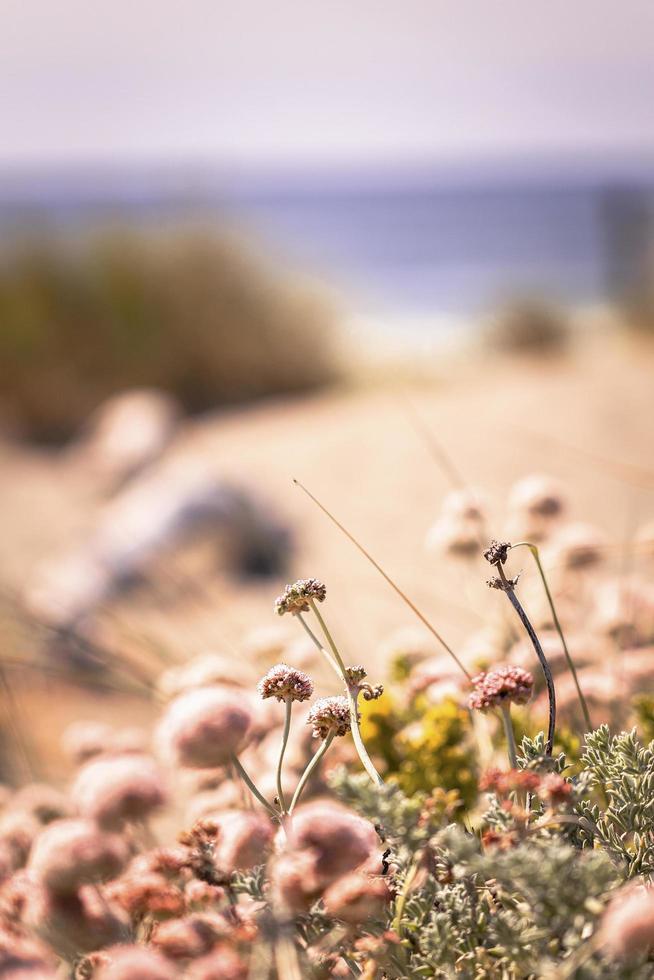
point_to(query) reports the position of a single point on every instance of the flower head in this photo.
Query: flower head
(203, 728)
(296, 598)
(118, 789)
(70, 853)
(136, 963)
(285, 683)
(501, 686)
(330, 716)
(627, 927)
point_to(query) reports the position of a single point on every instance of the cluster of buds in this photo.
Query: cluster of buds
(296, 598)
(354, 677)
(506, 685)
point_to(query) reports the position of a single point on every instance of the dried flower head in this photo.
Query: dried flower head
(497, 552)
(286, 684)
(119, 789)
(296, 598)
(181, 939)
(204, 728)
(70, 853)
(577, 546)
(330, 716)
(502, 686)
(74, 924)
(146, 893)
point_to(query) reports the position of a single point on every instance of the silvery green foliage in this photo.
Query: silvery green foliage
(622, 769)
(534, 757)
(527, 909)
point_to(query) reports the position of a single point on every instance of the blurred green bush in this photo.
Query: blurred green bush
(194, 314)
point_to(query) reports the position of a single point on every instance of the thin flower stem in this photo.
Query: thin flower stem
(366, 761)
(352, 697)
(253, 789)
(287, 728)
(414, 609)
(313, 762)
(573, 670)
(330, 660)
(329, 638)
(510, 738)
(515, 602)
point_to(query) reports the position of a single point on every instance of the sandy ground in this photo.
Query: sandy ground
(587, 419)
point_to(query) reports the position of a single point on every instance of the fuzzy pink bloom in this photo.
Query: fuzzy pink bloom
(357, 898)
(205, 670)
(285, 683)
(577, 546)
(204, 728)
(627, 927)
(18, 831)
(70, 853)
(454, 536)
(506, 685)
(539, 496)
(42, 801)
(341, 839)
(182, 939)
(74, 924)
(244, 839)
(119, 789)
(223, 963)
(82, 740)
(136, 963)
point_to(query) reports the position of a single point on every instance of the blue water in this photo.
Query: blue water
(418, 247)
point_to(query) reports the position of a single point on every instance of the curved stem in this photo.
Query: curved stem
(510, 738)
(327, 655)
(287, 728)
(515, 602)
(366, 761)
(573, 670)
(352, 697)
(253, 789)
(313, 762)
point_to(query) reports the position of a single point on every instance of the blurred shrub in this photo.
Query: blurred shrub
(530, 327)
(190, 313)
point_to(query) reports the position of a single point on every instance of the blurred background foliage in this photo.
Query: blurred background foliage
(193, 313)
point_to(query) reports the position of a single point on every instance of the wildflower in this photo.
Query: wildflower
(627, 927)
(338, 839)
(204, 728)
(135, 963)
(454, 536)
(356, 898)
(499, 687)
(496, 781)
(144, 894)
(184, 938)
(578, 546)
(468, 505)
(70, 853)
(119, 789)
(555, 788)
(538, 496)
(296, 598)
(222, 963)
(285, 683)
(202, 893)
(330, 716)
(243, 840)
(74, 924)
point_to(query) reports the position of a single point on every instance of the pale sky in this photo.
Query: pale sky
(327, 81)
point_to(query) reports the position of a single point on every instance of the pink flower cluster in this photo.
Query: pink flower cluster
(505, 685)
